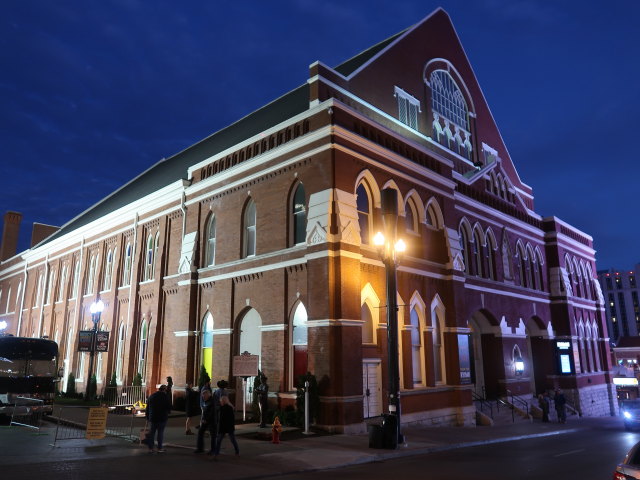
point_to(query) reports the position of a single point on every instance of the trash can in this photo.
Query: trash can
(375, 436)
(390, 431)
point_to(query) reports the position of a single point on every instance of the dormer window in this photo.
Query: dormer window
(408, 108)
(450, 114)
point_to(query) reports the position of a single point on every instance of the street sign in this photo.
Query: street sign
(84, 340)
(102, 341)
(96, 423)
(245, 365)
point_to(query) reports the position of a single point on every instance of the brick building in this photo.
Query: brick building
(258, 239)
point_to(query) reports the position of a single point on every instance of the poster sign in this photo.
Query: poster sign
(84, 340)
(564, 356)
(96, 423)
(102, 341)
(464, 359)
(245, 365)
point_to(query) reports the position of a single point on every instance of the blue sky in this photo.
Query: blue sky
(95, 92)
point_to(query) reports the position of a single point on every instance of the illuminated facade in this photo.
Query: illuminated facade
(622, 297)
(258, 239)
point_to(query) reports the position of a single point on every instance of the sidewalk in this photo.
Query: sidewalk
(297, 452)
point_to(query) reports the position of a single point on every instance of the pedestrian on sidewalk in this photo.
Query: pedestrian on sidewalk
(561, 405)
(220, 392)
(207, 423)
(544, 404)
(226, 425)
(157, 414)
(191, 407)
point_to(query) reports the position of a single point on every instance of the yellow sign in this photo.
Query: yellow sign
(97, 422)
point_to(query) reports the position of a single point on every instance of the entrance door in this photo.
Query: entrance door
(371, 388)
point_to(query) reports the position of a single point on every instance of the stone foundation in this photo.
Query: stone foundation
(595, 401)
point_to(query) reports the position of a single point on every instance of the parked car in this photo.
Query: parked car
(629, 468)
(630, 411)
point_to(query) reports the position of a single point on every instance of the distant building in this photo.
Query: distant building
(259, 239)
(622, 298)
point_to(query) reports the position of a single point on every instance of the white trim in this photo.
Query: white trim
(222, 331)
(334, 322)
(507, 294)
(186, 333)
(278, 327)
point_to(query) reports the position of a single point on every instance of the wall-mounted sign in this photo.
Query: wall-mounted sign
(565, 363)
(564, 352)
(563, 345)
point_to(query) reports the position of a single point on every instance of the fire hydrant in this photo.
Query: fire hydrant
(275, 430)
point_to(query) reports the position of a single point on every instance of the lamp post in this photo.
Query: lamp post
(390, 248)
(96, 309)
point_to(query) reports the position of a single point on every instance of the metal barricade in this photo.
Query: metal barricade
(27, 412)
(124, 396)
(72, 424)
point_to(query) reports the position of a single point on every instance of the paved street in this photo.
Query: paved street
(583, 448)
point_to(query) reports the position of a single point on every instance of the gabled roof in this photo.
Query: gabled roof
(174, 168)
(347, 67)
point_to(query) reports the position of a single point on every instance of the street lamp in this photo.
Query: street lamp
(96, 309)
(390, 248)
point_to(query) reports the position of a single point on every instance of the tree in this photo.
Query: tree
(113, 382)
(92, 388)
(137, 380)
(71, 385)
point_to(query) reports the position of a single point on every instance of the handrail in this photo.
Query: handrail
(483, 402)
(516, 399)
(573, 409)
(508, 405)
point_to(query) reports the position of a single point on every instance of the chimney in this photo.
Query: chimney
(10, 231)
(41, 231)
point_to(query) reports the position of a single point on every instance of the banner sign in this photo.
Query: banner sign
(245, 365)
(84, 340)
(102, 341)
(464, 358)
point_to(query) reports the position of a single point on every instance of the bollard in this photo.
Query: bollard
(306, 408)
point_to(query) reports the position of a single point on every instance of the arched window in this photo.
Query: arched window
(437, 323)
(299, 216)
(6, 310)
(99, 361)
(491, 256)
(63, 282)
(363, 202)
(596, 349)
(299, 342)
(211, 242)
(447, 100)
(120, 354)
(367, 327)
(148, 259)
(76, 279)
(540, 279)
(587, 341)
(411, 216)
(67, 359)
(207, 344)
(91, 274)
(531, 267)
(155, 255)
(417, 352)
(432, 215)
(38, 292)
(249, 239)
(466, 249)
(522, 263)
(142, 351)
(506, 259)
(108, 271)
(49, 286)
(477, 250)
(126, 271)
(251, 341)
(18, 293)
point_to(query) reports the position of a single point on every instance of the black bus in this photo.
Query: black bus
(28, 368)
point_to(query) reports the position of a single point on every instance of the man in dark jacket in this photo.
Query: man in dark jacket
(157, 413)
(208, 423)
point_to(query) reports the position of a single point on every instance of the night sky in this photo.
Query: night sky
(92, 93)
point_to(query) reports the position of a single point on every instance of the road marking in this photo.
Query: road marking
(569, 453)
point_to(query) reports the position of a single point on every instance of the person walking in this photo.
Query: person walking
(220, 392)
(191, 407)
(207, 423)
(157, 414)
(226, 425)
(561, 405)
(543, 403)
